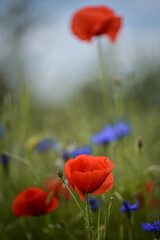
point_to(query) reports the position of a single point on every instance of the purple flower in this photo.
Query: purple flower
(122, 129)
(5, 158)
(93, 204)
(111, 132)
(128, 208)
(46, 144)
(86, 149)
(155, 227)
(105, 136)
(73, 151)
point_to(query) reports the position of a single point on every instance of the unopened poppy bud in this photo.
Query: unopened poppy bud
(140, 142)
(59, 173)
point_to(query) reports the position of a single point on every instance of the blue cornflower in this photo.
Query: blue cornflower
(86, 149)
(46, 144)
(66, 155)
(5, 158)
(93, 204)
(122, 129)
(128, 208)
(73, 151)
(111, 132)
(155, 227)
(1, 131)
(105, 136)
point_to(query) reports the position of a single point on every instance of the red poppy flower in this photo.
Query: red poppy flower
(89, 174)
(65, 193)
(150, 186)
(150, 199)
(53, 184)
(95, 21)
(56, 186)
(33, 202)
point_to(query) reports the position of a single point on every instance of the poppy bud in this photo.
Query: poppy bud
(140, 142)
(59, 173)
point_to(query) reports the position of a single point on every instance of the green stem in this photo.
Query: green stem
(107, 216)
(103, 77)
(144, 193)
(85, 218)
(89, 218)
(98, 223)
(131, 229)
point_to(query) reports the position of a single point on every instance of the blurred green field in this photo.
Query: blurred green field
(76, 121)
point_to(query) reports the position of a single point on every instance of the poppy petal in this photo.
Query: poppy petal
(89, 181)
(106, 186)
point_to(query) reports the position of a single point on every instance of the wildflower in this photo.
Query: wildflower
(86, 149)
(92, 21)
(140, 142)
(33, 202)
(54, 185)
(5, 159)
(46, 144)
(111, 132)
(32, 142)
(93, 204)
(65, 193)
(155, 228)
(128, 208)
(73, 151)
(105, 136)
(89, 174)
(66, 155)
(149, 188)
(121, 129)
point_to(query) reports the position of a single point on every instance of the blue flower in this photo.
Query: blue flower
(66, 155)
(46, 144)
(5, 158)
(105, 136)
(155, 227)
(122, 129)
(1, 131)
(72, 151)
(111, 132)
(128, 208)
(86, 149)
(93, 204)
